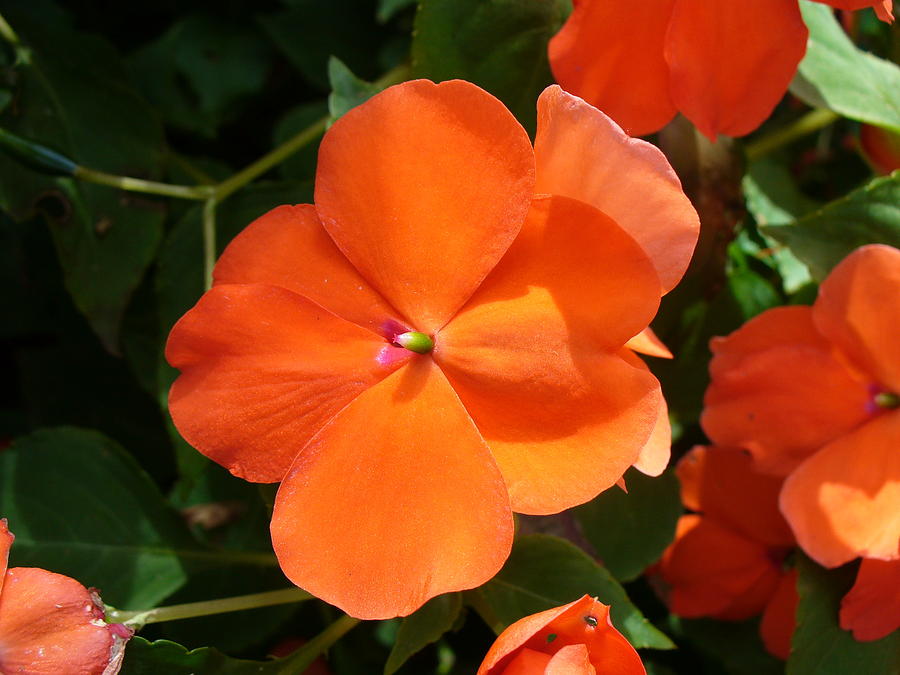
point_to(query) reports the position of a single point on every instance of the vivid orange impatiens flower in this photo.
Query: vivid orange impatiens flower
(575, 639)
(727, 560)
(814, 394)
(724, 65)
(439, 340)
(49, 623)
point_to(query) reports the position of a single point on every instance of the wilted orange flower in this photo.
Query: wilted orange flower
(575, 639)
(432, 346)
(724, 65)
(728, 557)
(49, 623)
(814, 394)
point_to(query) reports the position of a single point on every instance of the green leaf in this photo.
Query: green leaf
(630, 530)
(819, 645)
(500, 45)
(79, 505)
(162, 656)
(734, 645)
(425, 626)
(387, 9)
(202, 70)
(869, 215)
(545, 572)
(835, 74)
(100, 233)
(752, 292)
(347, 90)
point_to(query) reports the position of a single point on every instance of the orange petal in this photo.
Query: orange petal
(871, 609)
(262, 370)
(857, 309)
(780, 618)
(722, 484)
(583, 154)
(585, 622)
(527, 662)
(883, 8)
(657, 451)
(730, 63)
(424, 187)
(779, 390)
(714, 571)
(6, 540)
(606, 48)
(844, 501)
(50, 625)
(395, 501)
(563, 417)
(646, 342)
(572, 660)
(288, 247)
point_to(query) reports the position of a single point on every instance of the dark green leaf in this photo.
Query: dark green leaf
(388, 8)
(735, 645)
(819, 646)
(500, 45)
(753, 293)
(74, 97)
(425, 626)
(162, 656)
(869, 215)
(630, 530)
(835, 74)
(347, 90)
(201, 71)
(545, 572)
(79, 505)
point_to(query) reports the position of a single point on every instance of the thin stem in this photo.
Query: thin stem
(189, 610)
(199, 192)
(209, 241)
(318, 645)
(296, 143)
(810, 122)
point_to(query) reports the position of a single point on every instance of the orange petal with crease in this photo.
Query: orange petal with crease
(49, 625)
(779, 390)
(858, 310)
(288, 247)
(423, 188)
(262, 370)
(581, 153)
(722, 484)
(730, 64)
(607, 48)
(395, 501)
(563, 417)
(844, 501)
(657, 451)
(868, 610)
(780, 617)
(6, 540)
(646, 342)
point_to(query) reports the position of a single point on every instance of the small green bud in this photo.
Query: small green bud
(38, 157)
(415, 342)
(887, 399)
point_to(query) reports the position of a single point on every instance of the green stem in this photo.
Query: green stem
(296, 143)
(138, 619)
(209, 241)
(810, 122)
(8, 34)
(199, 192)
(309, 652)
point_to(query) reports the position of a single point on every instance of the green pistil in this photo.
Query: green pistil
(887, 399)
(415, 342)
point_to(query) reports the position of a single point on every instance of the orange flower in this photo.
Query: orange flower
(724, 65)
(49, 623)
(575, 639)
(881, 147)
(727, 560)
(432, 346)
(872, 607)
(814, 394)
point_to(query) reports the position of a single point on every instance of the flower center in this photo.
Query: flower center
(415, 342)
(887, 399)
